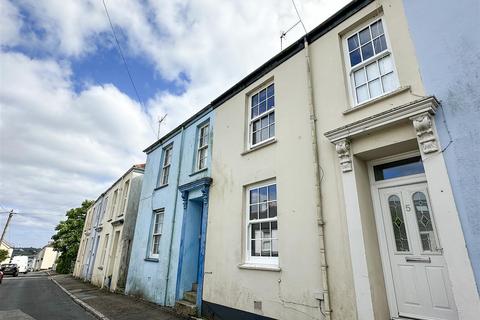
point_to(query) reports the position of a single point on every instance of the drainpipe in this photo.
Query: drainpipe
(318, 181)
(174, 216)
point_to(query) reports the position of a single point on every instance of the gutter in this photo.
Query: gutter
(318, 189)
(182, 132)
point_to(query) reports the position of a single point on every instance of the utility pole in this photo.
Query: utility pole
(10, 215)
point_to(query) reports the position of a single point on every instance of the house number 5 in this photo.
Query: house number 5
(407, 207)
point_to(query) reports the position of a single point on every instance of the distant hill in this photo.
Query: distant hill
(25, 251)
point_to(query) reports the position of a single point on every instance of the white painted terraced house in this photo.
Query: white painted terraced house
(329, 152)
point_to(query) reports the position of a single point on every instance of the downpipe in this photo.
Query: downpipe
(318, 190)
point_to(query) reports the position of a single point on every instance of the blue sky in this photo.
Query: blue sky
(70, 120)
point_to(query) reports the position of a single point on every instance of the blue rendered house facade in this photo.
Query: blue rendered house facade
(449, 61)
(169, 243)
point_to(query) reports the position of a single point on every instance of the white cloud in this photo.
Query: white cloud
(11, 24)
(214, 43)
(58, 146)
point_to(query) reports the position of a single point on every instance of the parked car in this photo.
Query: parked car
(9, 268)
(21, 262)
(1, 276)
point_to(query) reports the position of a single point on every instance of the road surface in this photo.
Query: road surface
(34, 296)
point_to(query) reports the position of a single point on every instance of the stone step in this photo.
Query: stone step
(185, 308)
(194, 286)
(190, 296)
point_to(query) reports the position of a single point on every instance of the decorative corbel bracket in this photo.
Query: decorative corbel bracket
(205, 192)
(425, 134)
(343, 151)
(185, 198)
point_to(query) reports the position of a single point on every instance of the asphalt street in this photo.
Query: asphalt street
(35, 296)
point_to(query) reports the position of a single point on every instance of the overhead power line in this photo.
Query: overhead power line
(120, 51)
(298, 15)
(31, 213)
(284, 33)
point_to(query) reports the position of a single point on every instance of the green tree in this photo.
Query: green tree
(67, 239)
(3, 254)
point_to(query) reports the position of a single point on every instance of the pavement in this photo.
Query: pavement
(111, 306)
(35, 297)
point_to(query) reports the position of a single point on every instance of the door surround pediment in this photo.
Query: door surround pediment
(411, 110)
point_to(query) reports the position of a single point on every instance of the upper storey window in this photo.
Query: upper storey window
(371, 64)
(202, 147)
(167, 160)
(262, 115)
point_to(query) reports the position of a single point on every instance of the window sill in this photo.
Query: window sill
(160, 187)
(198, 171)
(260, 146)
(151, 259)
(260, 267)
(375, 100)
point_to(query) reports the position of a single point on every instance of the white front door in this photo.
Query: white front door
(420, 278)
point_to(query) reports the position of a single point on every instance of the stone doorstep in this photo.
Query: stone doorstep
(185, 308)
(190, 296)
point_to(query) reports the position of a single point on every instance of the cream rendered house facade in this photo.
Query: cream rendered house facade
(108, 252)
(46, 258)
(330, 197)
(7, 247)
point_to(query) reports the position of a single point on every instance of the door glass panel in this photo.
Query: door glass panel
(398, 169)
(398, 223)
(424, 221)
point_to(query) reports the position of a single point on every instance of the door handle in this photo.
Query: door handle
(418, 259)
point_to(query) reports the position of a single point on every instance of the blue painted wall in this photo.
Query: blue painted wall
(156, 280)
(446, 35)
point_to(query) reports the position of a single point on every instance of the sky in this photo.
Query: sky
(71, 121)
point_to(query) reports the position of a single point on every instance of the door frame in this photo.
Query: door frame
(375, 187)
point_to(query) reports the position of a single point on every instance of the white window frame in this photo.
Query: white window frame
(254, 260)
(104, 210)
(167, 156)
(156, 233)
(114, 204)
(201, 147)
(259, 116)
(375, 58)
(126, 190)
(104, 251)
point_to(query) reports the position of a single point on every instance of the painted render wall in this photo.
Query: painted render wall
(449, 62)
(46, 258)
(112, 222)
(131, 212)
(90, 238)
(9, 249)
(290, 293)
(147, 278)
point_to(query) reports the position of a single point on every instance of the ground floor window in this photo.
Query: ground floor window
(262, 224)
(157, 227)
